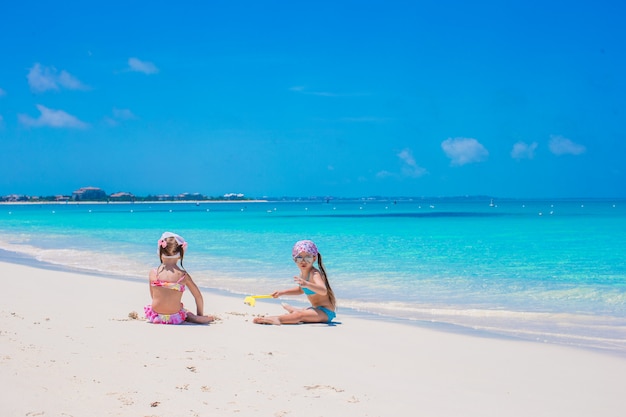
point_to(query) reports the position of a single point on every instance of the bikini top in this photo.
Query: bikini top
(306, 290)
(176, 286)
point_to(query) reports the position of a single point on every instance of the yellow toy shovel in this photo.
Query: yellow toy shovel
(251, 299)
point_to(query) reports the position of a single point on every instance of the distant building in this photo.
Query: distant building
(15, 197)
(122, 196)
(181, 197)
(89, 194)
(190, 196)
(233, 196)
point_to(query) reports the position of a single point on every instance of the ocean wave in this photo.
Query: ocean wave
(80, 260)
(582, 330)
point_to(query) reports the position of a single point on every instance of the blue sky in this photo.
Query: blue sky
(314, 98)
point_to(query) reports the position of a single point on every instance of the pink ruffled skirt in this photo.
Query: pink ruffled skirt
(156, 318)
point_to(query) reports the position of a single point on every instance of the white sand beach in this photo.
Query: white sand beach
(69, 348)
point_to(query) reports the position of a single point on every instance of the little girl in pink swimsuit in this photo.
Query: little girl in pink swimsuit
(167, 284)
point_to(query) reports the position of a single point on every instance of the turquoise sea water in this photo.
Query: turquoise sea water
(549, 271)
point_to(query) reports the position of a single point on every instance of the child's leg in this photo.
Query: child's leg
(291, 308)
(309, 315)
(193, 318)
(267, 320)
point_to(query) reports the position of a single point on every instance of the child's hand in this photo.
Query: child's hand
(276, 294)
(298, 280)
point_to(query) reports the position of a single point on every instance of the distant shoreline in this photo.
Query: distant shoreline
(77, 203)
(324, 199)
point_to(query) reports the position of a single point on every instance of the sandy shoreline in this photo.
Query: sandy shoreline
(68, 347)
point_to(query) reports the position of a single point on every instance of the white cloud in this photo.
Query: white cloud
(119, 115)
(303, 90)
(364, 119)
(560, 145)
(410, 167)
(42, 79)
(136, 65)
(70, 82)
(51, 118)
(522, 150)
(463, 151)
(123, 114)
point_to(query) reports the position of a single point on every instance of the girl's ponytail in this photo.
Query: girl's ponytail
(331, 294)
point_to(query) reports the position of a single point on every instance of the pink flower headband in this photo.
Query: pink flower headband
(179, 239)
(304, 246)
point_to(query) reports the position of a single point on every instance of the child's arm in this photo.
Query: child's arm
(316, 284)
(291, 291)
(150, 276)
(197, 295)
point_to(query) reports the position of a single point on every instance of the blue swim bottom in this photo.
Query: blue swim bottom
(329, 313)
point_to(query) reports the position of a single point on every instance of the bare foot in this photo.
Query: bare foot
(290, 308)
(192, 318)
(267, 320)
